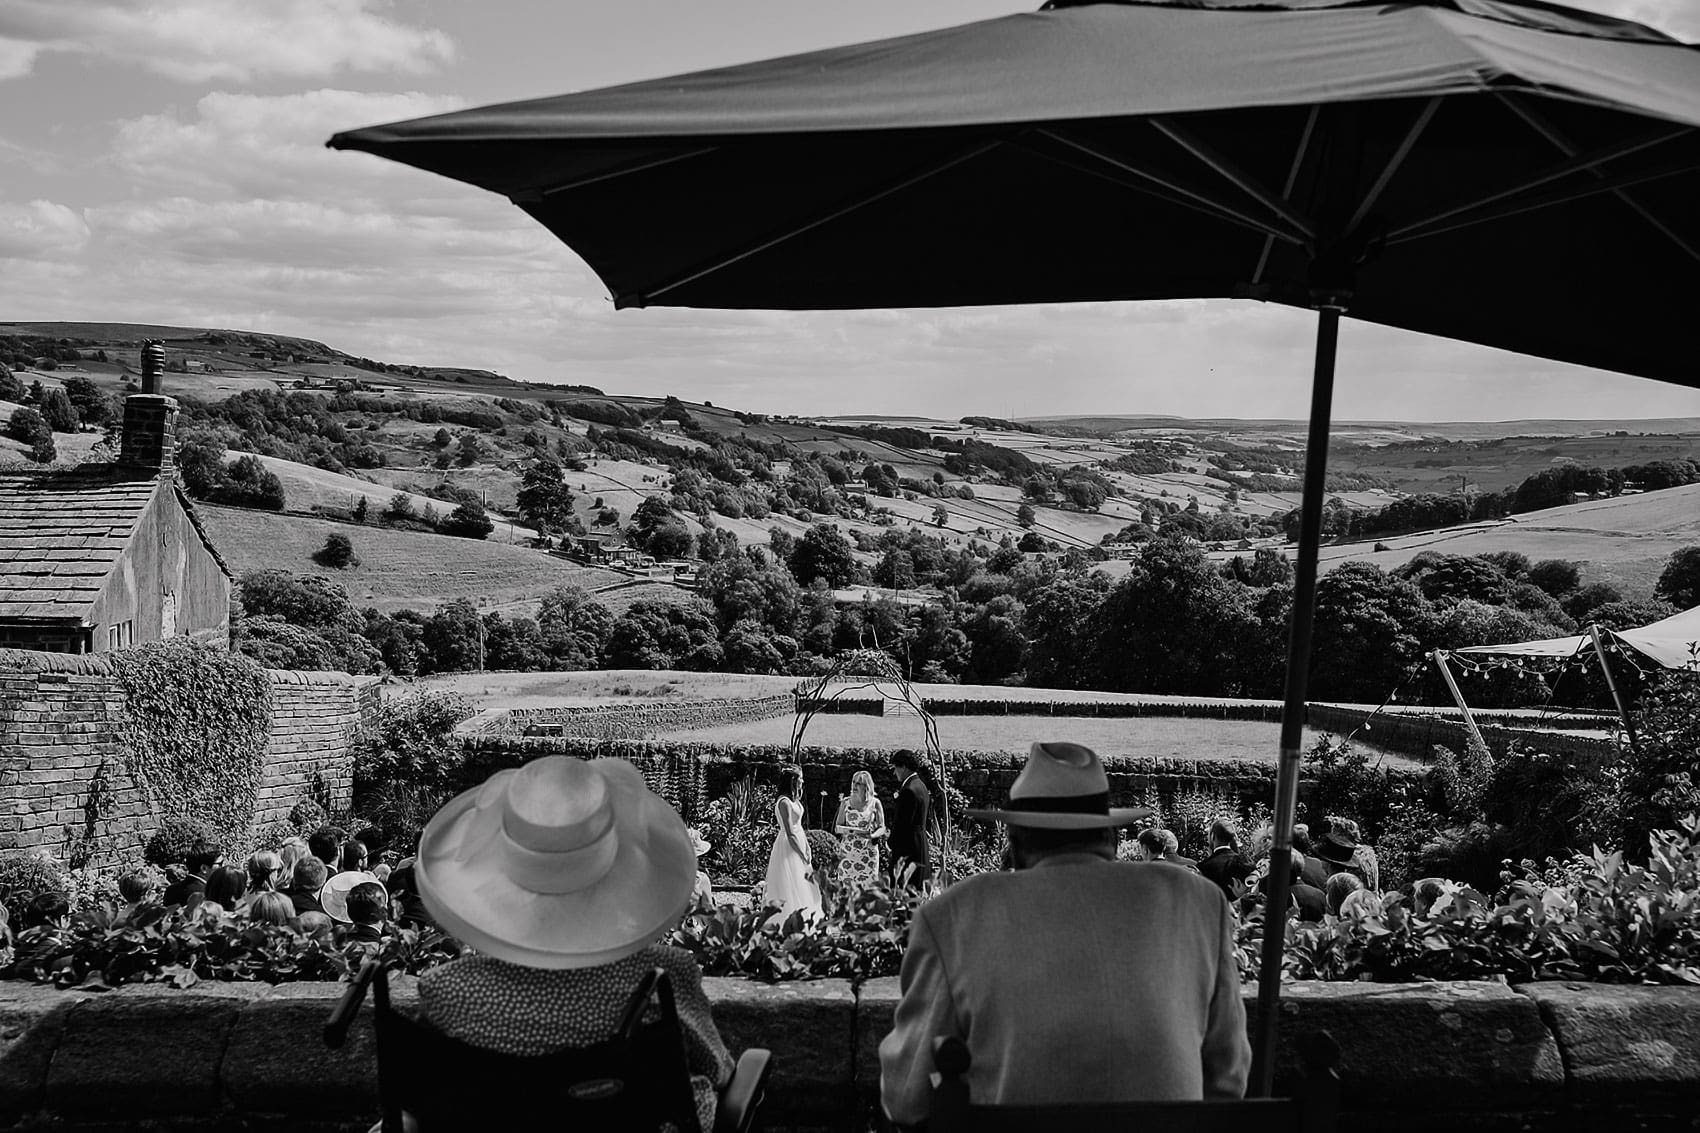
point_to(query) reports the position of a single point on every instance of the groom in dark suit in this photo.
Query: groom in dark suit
(909, 847)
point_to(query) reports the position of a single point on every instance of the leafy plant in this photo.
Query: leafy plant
(23, 874)
(407, 763)
(174, 837)
(862, 937)
(195, 731)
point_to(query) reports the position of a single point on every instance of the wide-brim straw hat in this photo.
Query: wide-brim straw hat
(1062, 787)
(562, 863)
(333, 894)
(699, 844)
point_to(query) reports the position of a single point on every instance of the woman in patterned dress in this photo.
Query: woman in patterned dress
(563, 875)
(860, 827)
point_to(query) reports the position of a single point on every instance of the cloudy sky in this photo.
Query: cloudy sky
(162, 161)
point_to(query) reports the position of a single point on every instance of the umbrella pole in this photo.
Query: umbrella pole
(1293, 709)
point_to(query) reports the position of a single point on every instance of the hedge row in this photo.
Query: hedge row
(981, 706)
(639, 716)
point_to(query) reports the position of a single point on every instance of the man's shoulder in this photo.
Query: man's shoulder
(1128, 880)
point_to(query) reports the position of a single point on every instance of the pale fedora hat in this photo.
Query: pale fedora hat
(562, 863)
(1062, 787)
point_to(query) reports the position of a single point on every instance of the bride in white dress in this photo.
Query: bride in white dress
(790, 866)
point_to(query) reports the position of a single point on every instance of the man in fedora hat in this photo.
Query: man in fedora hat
(1076, 978)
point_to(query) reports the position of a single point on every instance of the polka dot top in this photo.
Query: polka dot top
(517, 1010)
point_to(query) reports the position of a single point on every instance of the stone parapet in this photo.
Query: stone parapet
(1469, 1056)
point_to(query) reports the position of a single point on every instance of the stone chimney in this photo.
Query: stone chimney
(150, 420)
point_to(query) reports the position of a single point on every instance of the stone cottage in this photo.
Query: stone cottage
(105, 556)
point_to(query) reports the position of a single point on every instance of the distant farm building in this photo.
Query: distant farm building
(105, 556)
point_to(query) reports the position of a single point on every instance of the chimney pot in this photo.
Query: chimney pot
(153, 364)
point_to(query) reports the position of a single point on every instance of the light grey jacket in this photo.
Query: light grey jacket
(1077, 980)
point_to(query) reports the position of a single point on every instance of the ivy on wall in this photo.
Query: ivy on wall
(195, 732)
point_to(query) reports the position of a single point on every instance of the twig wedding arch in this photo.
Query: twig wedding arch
(862, 670)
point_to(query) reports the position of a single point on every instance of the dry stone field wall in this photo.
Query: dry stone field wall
(64, 783)
(638, 717)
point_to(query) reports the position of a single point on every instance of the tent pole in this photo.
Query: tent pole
(1293, 709)
(1611, 683)
(1439, 659)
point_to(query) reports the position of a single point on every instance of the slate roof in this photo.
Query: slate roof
(61, 534)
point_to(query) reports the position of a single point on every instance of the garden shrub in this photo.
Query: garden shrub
(195, 731)
(174, 837)
(1657, 778)
(407, 763)
(862, 937)
(741, 825)
(25, 873)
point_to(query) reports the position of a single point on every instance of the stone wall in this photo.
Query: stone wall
(1475, 1057)
(632, 719)
(1416, 734)
(64, 787)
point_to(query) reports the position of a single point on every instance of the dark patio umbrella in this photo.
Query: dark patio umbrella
(1506, 172)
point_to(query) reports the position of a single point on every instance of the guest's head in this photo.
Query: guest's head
(1032, 845)
(1297, 860)
(1059, 805)
(505, 897)
(1360, 903)
(315, 924)
(310, 874)
(368, 903)
(861, 788)
(372, 838)
(50, 910)
(791, 781)
(202, 857)
(265, 868)
(1301, 837)
(1236, 875)
(292, 850)
(905, 762)
(352, 856)
(1425, 893)
(226, 886)
(136, 886)
(382, 873)
(271, 907)
(1340, 886)
(325, 841)
(1155, 843)
(1223, 832)
(1257, 846)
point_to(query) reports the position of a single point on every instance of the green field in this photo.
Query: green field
(398, 569)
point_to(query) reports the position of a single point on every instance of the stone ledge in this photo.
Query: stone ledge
(1485, 1055)
(1616, 1039)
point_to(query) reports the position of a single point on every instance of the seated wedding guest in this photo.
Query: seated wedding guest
(201, 859)
(1315, 869)
(271, 907)
(1310, 901)
(382, 873)
(405, 905)
(1425, 893)
(1339, 887)
(1159, 845)
(265, 867)
(1076, 978)
(39, 929)
(1360, 903)
(310, 877)
(562, 875)
(46, 910)
(317, 925)
(137, 889)
(368, 910)
(224, 890)
(325, 842)
(702, 891)
(1224, 847)
(1363, 861)
(333, 898)
(374, 841)
(291, 850)
(1337, 851)
(351, 858)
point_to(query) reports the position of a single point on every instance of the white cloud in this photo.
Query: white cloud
(40, 228)
(222, 40)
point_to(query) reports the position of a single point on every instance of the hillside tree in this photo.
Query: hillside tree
(544, 500)
(1679, 582)
(468, 520)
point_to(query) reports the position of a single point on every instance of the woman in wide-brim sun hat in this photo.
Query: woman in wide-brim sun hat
(563, 875)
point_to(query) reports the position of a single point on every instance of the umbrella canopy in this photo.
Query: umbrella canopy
(1514, 175)
(1519, 175)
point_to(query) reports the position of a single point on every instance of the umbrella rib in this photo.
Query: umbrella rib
(1555, 173)
(1238, 177)
(933, 169)
(1563, 144)
(1394, 162)
(1292, 180)
(532, 196)
(1551, 200)
(1193, 198)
